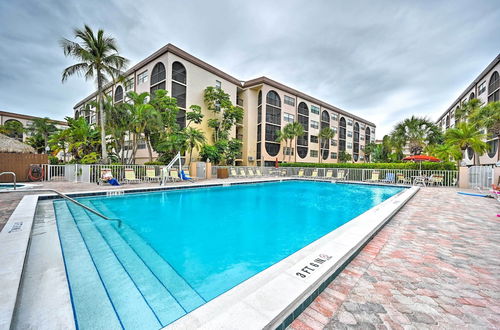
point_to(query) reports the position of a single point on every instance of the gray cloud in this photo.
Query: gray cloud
(383, 60)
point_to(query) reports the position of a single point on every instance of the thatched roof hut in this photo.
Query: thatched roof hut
(11, 145)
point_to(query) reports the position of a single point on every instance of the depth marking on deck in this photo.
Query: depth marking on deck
(310, 267)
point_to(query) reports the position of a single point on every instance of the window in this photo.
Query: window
(314, 139)
(334, 129)
(314, 124)
(118, 94)
(333, 142)
(218, 84)
(288, 118)
(179, 91)
(129, 84)
(494, 88)
(481, 88)
(349, 122)
(333, 155)
(325, 123)
(335, 117)
(273, 123)
(349, 133)
(288, 151)
(349, 145)
(178, 73)
(314, 153)
(471, 96)
(342, 133)
(355, 155)
(289, 100)
(273, 99)
(315, 109)
(272, 148)
(493, 148)
(142, 77)
(273, 115)
(361, 137)
(303, 119)
(158, 74)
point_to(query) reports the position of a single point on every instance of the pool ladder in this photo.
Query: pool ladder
(13, 174)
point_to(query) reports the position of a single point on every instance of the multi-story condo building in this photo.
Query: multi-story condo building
(25, 121)
(485, 88)
(268, 107)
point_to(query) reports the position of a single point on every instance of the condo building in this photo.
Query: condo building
(485, 88)
(268, 106)
(26, 121)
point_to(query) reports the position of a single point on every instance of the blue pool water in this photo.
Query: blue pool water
(178, 249)
(10, 186)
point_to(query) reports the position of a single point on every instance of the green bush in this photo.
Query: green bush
(53, 160)
(396, 166)
(155, 162)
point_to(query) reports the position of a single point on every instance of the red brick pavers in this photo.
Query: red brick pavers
(436, 264)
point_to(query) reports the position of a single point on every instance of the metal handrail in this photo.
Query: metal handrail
(80, 204)
(13, 174)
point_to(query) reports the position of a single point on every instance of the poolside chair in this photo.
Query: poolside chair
(314, 174)
(151, 174)
(375, 176)
(258, 172)
(341, 174)
(232, 171)
(130, 176)
(174, 176)
(329, 174)
(389, 178)
(104, 176)
(283, 173)
(400, 178)
(436, 179)
(250, 172)
(242, 173)
(301, 173)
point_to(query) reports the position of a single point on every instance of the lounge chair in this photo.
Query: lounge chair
(232, 171)
(242, 173)
(400, 178)
(151, 174)
(174, 175)
(375, 176)
(329, 174)
(436, 179)
(341, 175)
(389, 178)
(301, 173)
(250, 172)
(258, 172)
(283, 173)
(314, 174)
(130, 176)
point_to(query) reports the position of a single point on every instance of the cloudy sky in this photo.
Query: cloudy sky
(383, 60)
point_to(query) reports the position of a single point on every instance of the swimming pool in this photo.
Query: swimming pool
(8, 186)
(176, 250)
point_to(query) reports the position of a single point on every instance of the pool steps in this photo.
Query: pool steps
(121, 268)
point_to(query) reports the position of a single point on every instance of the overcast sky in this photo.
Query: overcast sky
(381, 60)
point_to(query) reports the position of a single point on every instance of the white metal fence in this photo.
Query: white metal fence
(481, 176)
(351, 174)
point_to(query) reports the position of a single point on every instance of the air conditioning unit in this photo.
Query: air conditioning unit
(250, 158)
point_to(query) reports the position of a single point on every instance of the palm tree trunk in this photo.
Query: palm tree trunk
(104, 152)
(191, 154)
(295, 154)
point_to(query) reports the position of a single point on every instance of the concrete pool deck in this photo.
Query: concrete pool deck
(436, 264)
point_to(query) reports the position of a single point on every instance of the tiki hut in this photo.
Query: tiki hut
(10, 145)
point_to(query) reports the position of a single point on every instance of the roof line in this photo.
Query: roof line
(29, 117)
(302, 95)
(472, 84)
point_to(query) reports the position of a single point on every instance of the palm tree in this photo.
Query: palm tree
(446, 152)
(194, 140)
(325, 135)
(43, 128)
(416, 133)
(466, 135)
(489, 118)
(284, 136)
(98, 58)
(59, 142)
(296, 130)
(466, 109)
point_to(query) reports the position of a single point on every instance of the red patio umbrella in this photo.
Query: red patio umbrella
(422, 158)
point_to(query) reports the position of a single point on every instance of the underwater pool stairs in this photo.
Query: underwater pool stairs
(120, 266)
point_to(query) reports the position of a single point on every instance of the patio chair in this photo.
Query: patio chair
(400, 178)
(251, 172)
(329, 174)
(341, 175)
(174, 176)
(301, 173)
(258, 172)
(130, 176)
(283, 173)
(436, 179)
(232, 171)
(375, 176)
(151, 174)
(314, 174)
(242, 173)
(389, 178)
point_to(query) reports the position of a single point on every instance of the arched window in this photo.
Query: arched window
(342, 134)
(493, 148)
(447, 121)
(471, 96)
(119, 94)
(302, 141)
(470, 153)
(179, 91)
(325, 145)
(259, 124)
(158, 76)
(494, 88)
(355, 146)
(273, 122)
(14, 129)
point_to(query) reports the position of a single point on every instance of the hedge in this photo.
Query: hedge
(396, 166)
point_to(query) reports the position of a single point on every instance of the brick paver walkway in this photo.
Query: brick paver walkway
(436, 264)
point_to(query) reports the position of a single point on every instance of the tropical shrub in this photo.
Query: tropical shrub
(399, 166)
